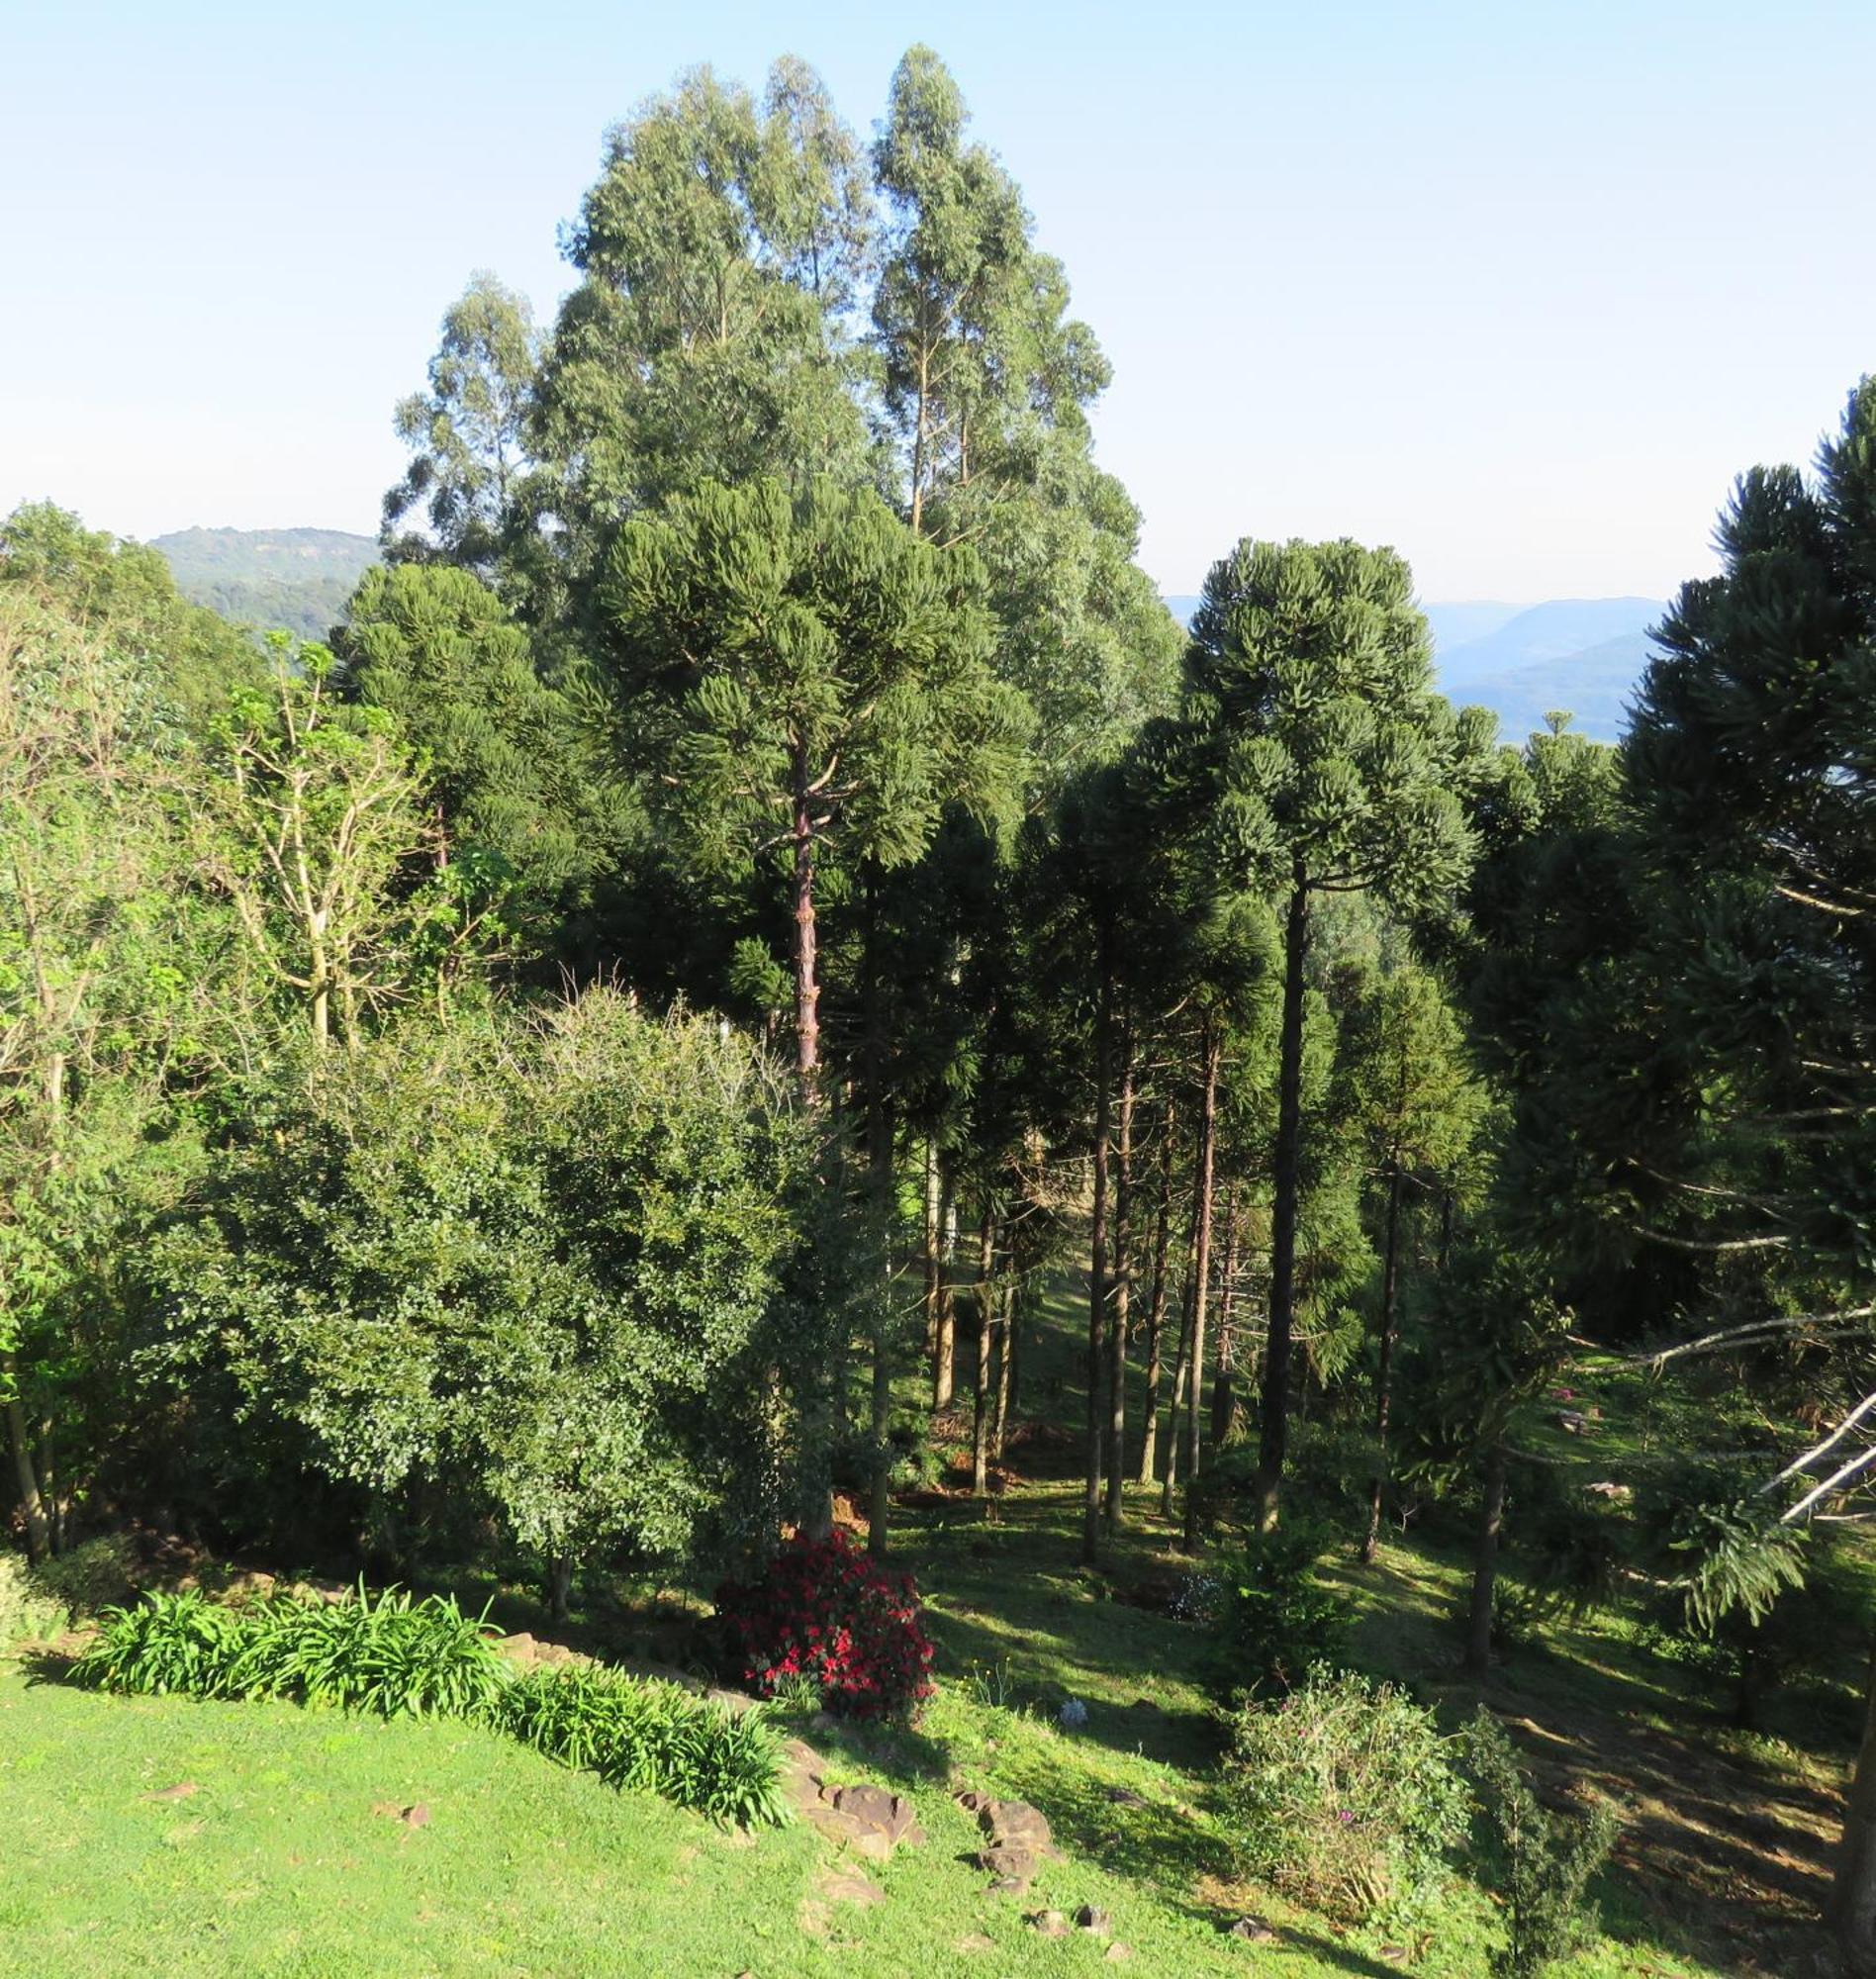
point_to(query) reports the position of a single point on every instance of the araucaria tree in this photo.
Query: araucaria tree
(814, 678)
(1332, 766)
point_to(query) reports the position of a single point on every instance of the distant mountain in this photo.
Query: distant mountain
(299, 579)
(1580, 656)
(1455, 624)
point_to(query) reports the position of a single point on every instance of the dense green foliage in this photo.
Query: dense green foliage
(651, 1738)
(384, 1653)
(1539, 1863)
(1346, 1792)
(394, 1656)
(756, 876)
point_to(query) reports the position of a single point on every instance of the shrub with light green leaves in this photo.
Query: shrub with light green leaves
(396, 1656)
(654, 1737)
(1342, 1795)
(385, 1654)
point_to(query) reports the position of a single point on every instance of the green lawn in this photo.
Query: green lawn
(290, 1856)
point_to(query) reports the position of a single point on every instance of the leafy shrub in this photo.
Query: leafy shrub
(823, 1610)
(1275, 1620)
(1537, 1864)
(1344, 1796)
(386, 1654)
(100, 1573)
(653, 1736)
(383, 1653)
(28, 1611)
(168, 1645)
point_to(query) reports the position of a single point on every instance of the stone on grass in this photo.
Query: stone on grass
(1092, 1918)
(1252, 1929)
(848, 1886)
(1049, 1924)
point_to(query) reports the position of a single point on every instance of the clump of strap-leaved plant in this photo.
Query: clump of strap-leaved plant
(398, 1657)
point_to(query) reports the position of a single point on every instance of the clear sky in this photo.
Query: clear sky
(1516, 287)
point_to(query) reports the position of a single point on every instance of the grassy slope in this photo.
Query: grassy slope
(280, 1864)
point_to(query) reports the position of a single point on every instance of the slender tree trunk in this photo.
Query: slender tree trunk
(1098, 1280)
(39, 1530)
(1201, 1273)
(48, 1486)
(944, 1368)
(1224, 1382)
(919, 426)
(1121, 1304)
(1180, 1384)
(1007, 1354)
(981, 1402)
(1390, 1331)
(928, 1256)
(1277, 1359)
(1851, 1908)
(559, 1587)
(1479, 1628)
(885, 1203)
(831, 1401)
(806, 962)
(1156, 1312)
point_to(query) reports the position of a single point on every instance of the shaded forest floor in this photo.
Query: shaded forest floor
(1729, 1839)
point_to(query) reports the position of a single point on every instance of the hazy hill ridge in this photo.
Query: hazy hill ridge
(299, 579)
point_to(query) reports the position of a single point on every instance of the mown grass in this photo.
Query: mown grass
(291, 1854)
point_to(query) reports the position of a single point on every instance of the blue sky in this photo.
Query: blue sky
(1517, 288)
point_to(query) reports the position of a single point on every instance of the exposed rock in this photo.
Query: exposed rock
(735, 1702)
(1253, 1931)
(1090, 1917)
(893, 1814)
(1009, 1886)
(1010, 1860)
(868, 1820)
(848, 1886)
(1049, 1924)
(1015, 1823)
(1126, 1797)
(417, 1816)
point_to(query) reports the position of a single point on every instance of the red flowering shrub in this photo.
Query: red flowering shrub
(824, 1610)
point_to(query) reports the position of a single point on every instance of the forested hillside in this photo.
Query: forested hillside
(761, 1154)
(296, 579)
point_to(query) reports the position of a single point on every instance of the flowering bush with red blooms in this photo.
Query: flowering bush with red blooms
(824, 1611)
